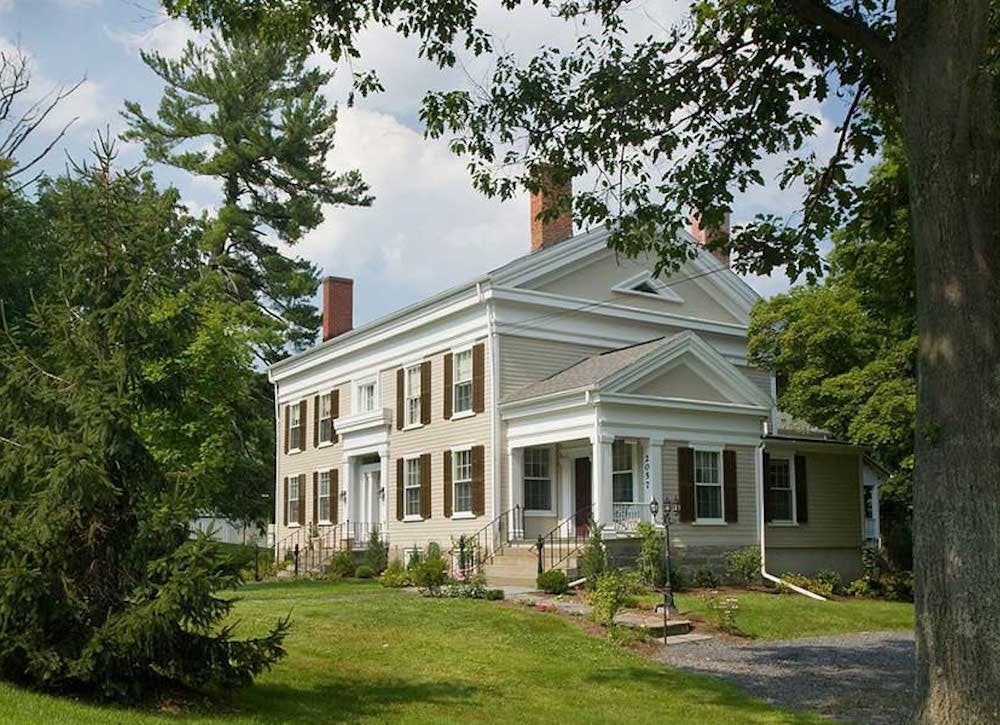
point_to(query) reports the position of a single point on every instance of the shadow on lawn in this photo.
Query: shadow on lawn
(695, 690)
(341, 700)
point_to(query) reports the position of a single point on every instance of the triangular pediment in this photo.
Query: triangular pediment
(686, 368)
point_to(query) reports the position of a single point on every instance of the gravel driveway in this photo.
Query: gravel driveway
(857, 677)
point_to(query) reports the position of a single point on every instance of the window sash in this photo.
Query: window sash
(366, 397)
(411, 490)
(462, 481)
(622, 473)
(708, 486)
(295, 428)
(781, 490)
(462, 382)
(326, 418)
(413, 395)
(293, 500)
(537, 480)
(324, 496)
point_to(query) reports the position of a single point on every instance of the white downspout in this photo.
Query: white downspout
(759, 475)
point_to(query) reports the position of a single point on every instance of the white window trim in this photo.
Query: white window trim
(721, 521)
(407, 425)
(329, 495)
(293, 523)
(552, 475)
(356, 386)
(794, 521)
(409, 518)
(634, 470)
(454, 467)
(325, 443)
(458, 415)
(296, 406)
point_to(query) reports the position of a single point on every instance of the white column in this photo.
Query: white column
(566, 494)
(600, 483)
(653, 472)
(383, 493)
(516, 476)
(346, 497)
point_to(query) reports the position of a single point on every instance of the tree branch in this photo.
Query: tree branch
(851, 30)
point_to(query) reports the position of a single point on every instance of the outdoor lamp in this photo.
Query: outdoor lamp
(654, 508)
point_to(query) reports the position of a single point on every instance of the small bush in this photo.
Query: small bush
(832, 579)
(472, 588)
(431, 573)
(650, 561)
(377, 553)
(553, 582)
(609, 597)
(743, 566)
(341, 565)
(593, 557)
(625, 636)
(705, 578)
(722, 613)
(816, 586)
(396, 576)
(493, 595)
(880, 580)
(364, 572)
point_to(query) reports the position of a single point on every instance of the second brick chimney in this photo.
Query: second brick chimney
(338, 306)
(552, 194)
(707, 236)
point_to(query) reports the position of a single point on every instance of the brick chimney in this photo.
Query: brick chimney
(338, 306)
(552, 194)
(707, 236)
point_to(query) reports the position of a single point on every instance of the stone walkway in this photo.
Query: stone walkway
(864, 677)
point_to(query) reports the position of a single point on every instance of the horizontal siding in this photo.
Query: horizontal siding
(760, 378)
(726, 536)
(834, 506)
(525, 360)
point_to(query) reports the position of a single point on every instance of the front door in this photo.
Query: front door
(583, 495)
(368, 511)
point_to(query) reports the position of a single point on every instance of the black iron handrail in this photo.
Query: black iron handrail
(563, 541)
(308, 548)
(473, 551)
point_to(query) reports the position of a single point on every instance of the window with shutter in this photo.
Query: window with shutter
(292, 500)
(296, 428)
(323, 495)
(411, 490)
(780, 490)
(461, 476)
(462, 383)
(325, 427)
(412, 398)
(708, 506)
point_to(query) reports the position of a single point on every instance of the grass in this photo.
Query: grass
(788, 616)
(358, 652)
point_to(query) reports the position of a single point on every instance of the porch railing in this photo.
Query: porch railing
(307, 549)
(627, 516)
(471, 552)
(559, 544)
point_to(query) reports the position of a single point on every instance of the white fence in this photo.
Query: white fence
(229, 532)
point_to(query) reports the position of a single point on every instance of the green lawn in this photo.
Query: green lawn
(788, 616)
(358, 652)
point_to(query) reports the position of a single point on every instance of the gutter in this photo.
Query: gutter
(759, 474)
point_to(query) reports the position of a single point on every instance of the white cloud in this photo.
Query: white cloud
(158, 32)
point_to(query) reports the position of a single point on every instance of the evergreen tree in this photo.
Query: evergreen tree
(249, 113)
(101, 590)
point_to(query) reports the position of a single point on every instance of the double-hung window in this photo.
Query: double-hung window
(462, 382)
(708, 486)
(412, 394)
(622, 474)
(462, 481)
(782, 490)
(296, 429)
(537, 480)
(293, 499)
(411, 492)
(365, 395)
(326, 418)
(324, 496)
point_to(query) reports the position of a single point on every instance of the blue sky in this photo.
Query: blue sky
(424, 201)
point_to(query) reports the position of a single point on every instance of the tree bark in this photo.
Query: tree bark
(948, 107)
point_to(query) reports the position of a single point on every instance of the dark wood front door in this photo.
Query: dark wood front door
(583, 500)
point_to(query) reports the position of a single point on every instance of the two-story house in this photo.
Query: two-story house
(568, 384)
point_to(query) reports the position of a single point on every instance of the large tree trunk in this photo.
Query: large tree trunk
(948, 106)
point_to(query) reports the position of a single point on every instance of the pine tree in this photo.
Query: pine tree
(102, 592)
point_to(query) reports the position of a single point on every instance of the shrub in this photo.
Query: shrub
(364, 572)
(625, 636)
(609, 597)
(722, 612)
(650, 561)
(341, 565)
(396, 576)
(553, 582)
(376, 553)
(432, 572)
(816, 586)
(472, 588)
(705, 578)
(880, 580)
(493, 595)
(831, 578)
(743, 566)
(593, 557)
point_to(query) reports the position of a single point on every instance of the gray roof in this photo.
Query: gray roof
(589, 372)
(797, 429)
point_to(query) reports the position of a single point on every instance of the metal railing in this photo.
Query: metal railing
(471, 552)
(567, 538)
(307, 549)
(627, 516)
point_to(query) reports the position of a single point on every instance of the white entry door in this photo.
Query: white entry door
(368, 510)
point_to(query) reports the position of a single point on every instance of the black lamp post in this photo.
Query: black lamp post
(668, 605)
